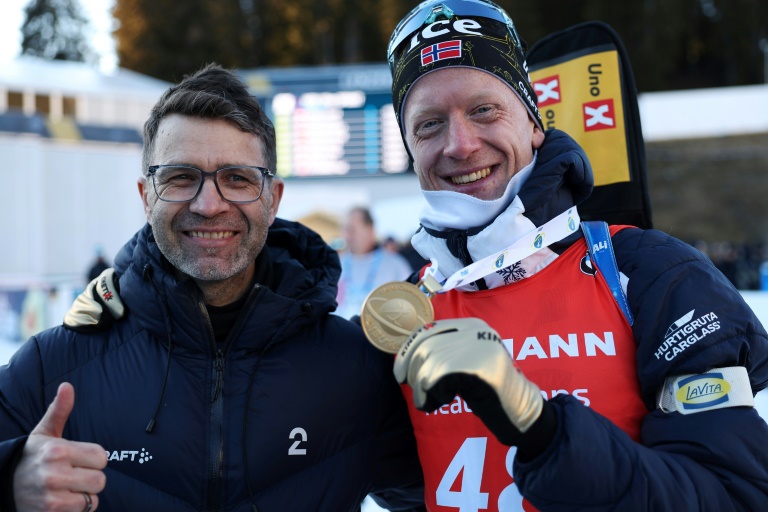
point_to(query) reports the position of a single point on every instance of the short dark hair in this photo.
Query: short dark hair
(212, 93)
(365, 214)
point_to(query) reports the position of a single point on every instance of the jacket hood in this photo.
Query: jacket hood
(303, 287)
(295, 248)
(562, 178)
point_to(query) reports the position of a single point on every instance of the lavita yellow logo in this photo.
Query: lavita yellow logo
(701, 391)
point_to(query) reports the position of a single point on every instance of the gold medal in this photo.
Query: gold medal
(393, 311)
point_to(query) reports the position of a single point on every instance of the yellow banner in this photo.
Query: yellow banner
(582, 97)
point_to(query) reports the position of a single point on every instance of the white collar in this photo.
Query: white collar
(508, 224)
(446, 209)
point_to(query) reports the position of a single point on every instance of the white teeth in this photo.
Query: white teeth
(473, 176)
(208, 234)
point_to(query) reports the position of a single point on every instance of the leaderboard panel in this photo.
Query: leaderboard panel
(332, 121)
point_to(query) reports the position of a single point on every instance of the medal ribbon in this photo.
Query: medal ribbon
(553, 231)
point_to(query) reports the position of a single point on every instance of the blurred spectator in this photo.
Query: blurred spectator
(9, 320)
(407, 251)
(414, 258)
(391, 245)
(764, 276)
(98, 266)
(739, 262)
(364, 264)
(727, 261)
(34, 314)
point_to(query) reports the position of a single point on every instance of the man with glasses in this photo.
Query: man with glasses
(225, 384)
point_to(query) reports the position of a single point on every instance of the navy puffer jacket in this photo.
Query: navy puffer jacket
(295, 412)
(714, 460)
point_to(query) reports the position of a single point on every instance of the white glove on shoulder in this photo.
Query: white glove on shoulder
(98, 305)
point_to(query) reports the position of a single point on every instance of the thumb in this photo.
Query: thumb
(58, 412)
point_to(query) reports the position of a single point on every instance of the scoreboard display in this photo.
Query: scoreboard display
(331, 121)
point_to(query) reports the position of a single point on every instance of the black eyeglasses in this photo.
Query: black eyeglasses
(182, 183)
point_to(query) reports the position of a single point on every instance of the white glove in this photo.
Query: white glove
(465, 357)
(88, 310)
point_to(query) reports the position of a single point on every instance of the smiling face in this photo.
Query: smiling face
(209, 239)
(468, 132)
(359, 234)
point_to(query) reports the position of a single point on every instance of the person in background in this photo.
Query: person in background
(411, 255)
(221, 381)
(364, 263)
(98, 266)
(545, 383)
(391, 245)
(407, 251)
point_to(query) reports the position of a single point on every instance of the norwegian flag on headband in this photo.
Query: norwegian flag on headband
(440, 51)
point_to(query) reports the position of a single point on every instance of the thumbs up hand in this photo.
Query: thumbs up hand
(55, 473)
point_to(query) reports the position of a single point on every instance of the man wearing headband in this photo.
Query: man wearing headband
(649, 407)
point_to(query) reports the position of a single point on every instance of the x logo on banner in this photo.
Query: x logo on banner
(547, 91)
(597, 116)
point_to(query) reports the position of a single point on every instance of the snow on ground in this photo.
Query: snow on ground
(370, 506)
(7, 348)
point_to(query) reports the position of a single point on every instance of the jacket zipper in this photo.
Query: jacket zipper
(216, 469)
(216, 447)
(216, 474)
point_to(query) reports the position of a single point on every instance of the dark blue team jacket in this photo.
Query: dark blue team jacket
(296, 412)
(714, 460)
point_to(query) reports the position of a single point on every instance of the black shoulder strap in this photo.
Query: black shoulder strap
(585, 87)
(600, 249)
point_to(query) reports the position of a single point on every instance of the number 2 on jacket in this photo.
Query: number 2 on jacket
(299, 435)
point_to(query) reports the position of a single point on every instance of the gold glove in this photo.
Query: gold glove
(465, 357)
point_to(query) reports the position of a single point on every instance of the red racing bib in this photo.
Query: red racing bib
(564, 330)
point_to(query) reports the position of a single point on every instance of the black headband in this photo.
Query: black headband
(474, 42)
